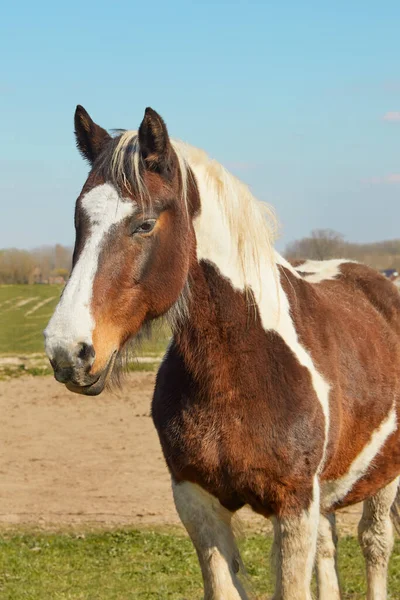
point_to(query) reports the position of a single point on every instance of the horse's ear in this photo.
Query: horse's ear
(90, 137)
(154, 143)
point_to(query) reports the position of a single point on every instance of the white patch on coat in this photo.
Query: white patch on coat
(280, 260)
(321, 270)
(335, 490)
(72, 322)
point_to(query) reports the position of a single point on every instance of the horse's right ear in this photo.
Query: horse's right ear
(90, 137)
(155, 146)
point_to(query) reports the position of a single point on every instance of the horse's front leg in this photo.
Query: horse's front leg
(209, 526)
(295, 541)
(375, 533)
(326, 559)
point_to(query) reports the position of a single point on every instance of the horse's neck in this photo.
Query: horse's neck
(225, 320)
(233, 286)
(216, 244)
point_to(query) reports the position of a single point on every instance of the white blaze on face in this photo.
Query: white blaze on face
(72, 322)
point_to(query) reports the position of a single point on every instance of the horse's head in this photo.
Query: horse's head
(134, 242)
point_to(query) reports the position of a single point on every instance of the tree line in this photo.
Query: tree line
(52, 264)
(47, 264)
(323, 244)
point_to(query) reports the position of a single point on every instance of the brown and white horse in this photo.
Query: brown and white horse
(281, 386)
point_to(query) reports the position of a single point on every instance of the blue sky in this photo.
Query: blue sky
(300, 99)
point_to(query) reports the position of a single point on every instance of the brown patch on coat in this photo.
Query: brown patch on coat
(351, 326)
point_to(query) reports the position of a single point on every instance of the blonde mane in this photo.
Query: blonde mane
(252, 224)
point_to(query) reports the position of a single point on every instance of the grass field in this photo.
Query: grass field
(24, 313)
(142, 565)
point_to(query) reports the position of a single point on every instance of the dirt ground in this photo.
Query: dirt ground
(70, 460)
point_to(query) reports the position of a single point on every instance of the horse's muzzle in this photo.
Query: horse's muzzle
(73, 370)
(92, 385)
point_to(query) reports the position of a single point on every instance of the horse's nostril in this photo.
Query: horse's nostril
(63, 375)
(86, 352)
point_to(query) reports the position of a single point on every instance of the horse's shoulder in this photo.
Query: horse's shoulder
(173, 382)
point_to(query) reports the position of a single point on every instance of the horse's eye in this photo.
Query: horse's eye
(146, 227)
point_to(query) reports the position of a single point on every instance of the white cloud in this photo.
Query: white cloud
(392, 178)
(394, 115)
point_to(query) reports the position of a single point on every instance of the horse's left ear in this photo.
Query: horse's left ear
(90, 137)
(154, 143)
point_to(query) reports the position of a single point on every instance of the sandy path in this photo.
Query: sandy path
(72, 460)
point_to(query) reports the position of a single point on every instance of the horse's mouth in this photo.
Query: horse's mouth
(94, 388)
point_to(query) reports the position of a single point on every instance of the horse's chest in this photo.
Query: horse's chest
(236, 451)
(252, 437)
(204, 440)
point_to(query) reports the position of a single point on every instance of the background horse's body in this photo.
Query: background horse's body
(280, 388)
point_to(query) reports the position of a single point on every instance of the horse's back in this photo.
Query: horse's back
(379, 290)
(355, 277)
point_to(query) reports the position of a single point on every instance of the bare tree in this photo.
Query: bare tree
(320, 245)
(326, 243)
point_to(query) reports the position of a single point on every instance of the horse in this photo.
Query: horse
(280, 388)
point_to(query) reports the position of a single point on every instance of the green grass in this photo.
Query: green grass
(24, 313)
(142, 565)
(21, 331)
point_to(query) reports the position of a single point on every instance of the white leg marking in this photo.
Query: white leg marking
(295, 541)
(72, 321)
(326, 559)
(375, 533)
(208, 525)
(333, 491)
